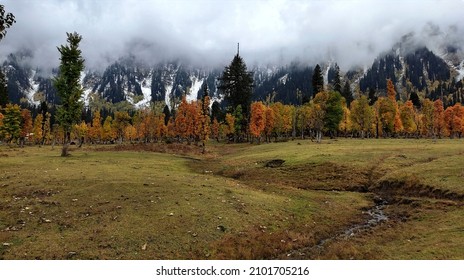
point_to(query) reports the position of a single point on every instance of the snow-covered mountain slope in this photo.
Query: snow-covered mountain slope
(411, 64)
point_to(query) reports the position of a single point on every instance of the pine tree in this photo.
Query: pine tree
(333, 112)
(11, 128)
(68, 87)
(346, 93)
(6, 21)
(3, 91)
(236, 83)
(337, 83)
(415, 99)
(317, 80)
(372, 96)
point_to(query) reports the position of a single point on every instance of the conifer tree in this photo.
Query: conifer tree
(317, 80)
(337, 83)
(3, 91)
(6, 21)
(11, 127)
(347, 94)
(236, 83)
(68, 87)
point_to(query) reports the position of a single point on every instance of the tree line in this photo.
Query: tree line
(328, 113)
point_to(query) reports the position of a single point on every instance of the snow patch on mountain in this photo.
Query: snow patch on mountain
(283, 79)
(86, 93)
(196, 86)
(460, 71)
(33, 89)
(145, 86)
(168, 90)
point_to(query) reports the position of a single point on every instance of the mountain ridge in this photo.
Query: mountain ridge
(410, 64)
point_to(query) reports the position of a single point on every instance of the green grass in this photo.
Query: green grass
(147, 205)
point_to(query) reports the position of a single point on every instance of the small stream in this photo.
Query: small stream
(376, 217)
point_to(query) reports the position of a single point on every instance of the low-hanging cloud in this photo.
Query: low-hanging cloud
(206, 31)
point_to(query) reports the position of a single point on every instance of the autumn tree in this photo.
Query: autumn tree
(391, 94)
(407, 113)
(427, 117)
(26, 126)
(362, 115)
(37, 129)
(181, 119)
(95, 131)
(130, 133)
(302, 119)
(438, 118)
(257, 120)
(120, 122)
(458, 120)
(108, 133)
(345, 123)
(81, 132)
(385, 110)
(205, 121)
(69, 88)
(270, 123)
(46, 127)
(279, 123)
(230, 125)
(316, 119)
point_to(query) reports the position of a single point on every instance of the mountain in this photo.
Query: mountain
(433, 72)
(414, 67)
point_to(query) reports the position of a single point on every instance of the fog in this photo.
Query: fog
(206, 32)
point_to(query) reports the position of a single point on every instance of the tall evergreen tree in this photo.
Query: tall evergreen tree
(68, 87)
(317, 80)
(415, 99)
(3, 91)
(372, 96)
(6, 21)
(333, 112)
(167, 114)
(236, 83)
(347, 94)
(337, 83)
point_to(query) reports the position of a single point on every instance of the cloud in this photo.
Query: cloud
(206, 31)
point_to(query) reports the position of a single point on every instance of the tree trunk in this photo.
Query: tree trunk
(64, 150)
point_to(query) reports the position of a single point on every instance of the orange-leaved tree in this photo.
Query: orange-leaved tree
(438, 118)
(407, 113)
(257, 119)
(270, 122)
(26, 125)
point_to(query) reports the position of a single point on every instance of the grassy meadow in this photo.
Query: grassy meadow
(171, 202)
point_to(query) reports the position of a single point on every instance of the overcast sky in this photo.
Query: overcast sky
(207, 31)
